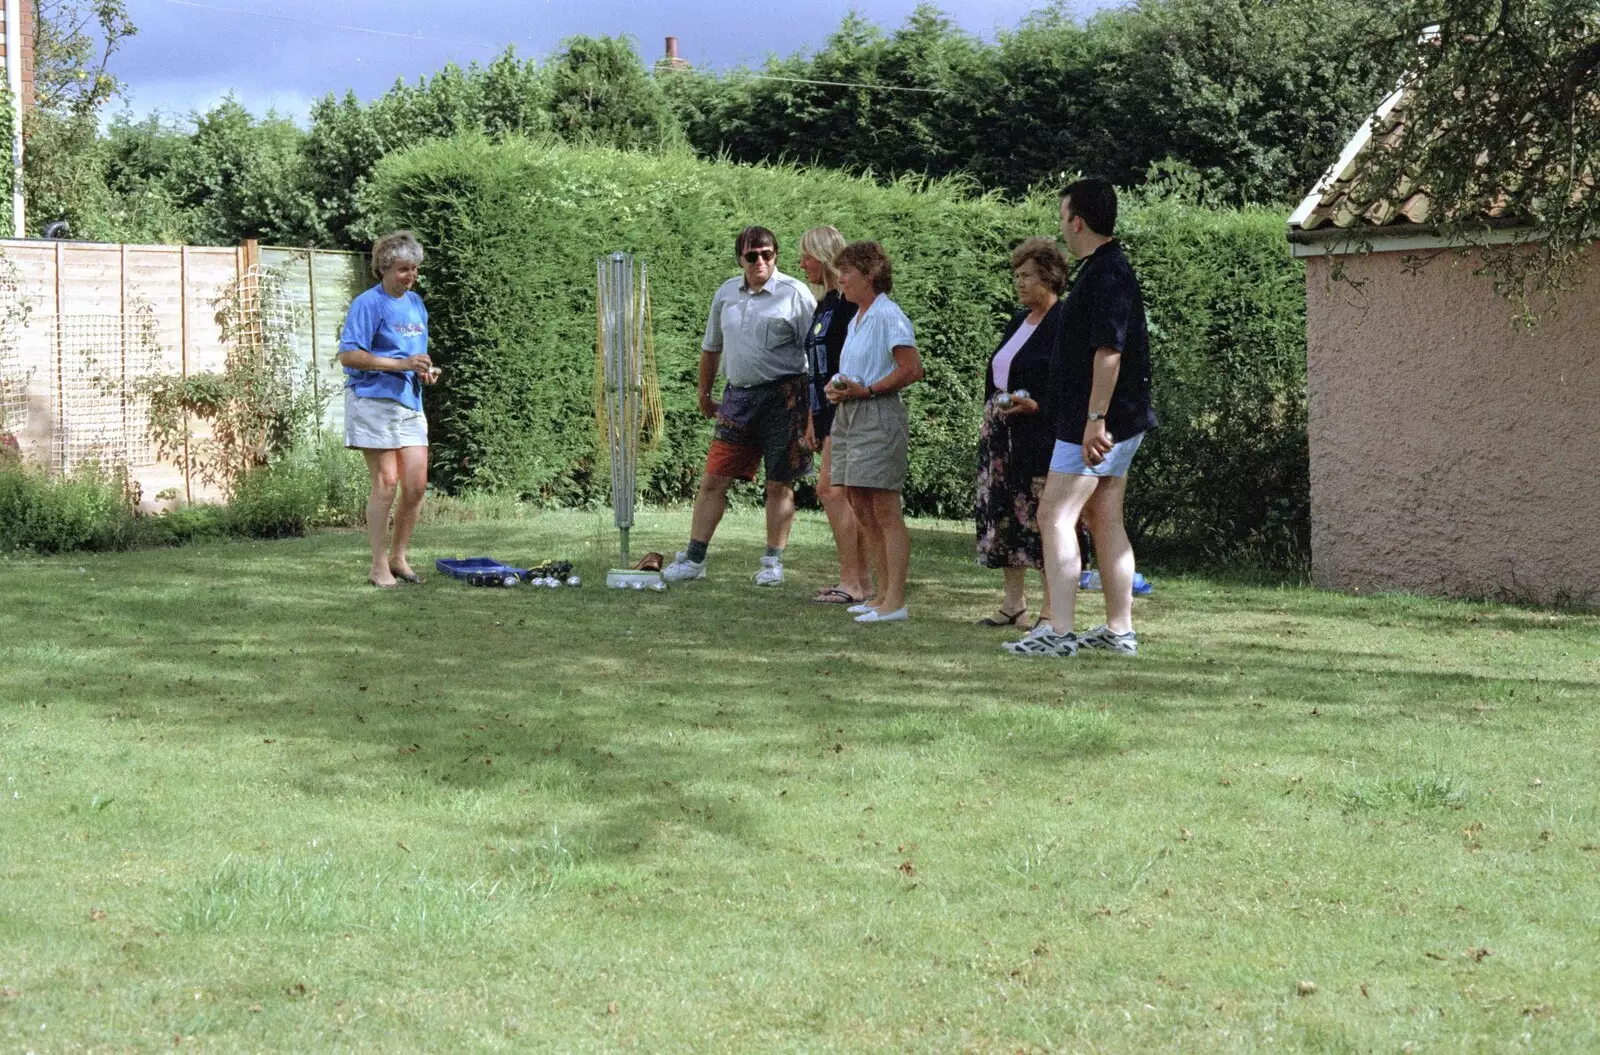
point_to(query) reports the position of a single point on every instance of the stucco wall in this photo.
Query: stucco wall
(1451, 454)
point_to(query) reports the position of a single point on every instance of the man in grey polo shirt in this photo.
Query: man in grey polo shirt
(755, 335)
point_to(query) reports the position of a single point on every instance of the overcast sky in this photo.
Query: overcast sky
(284, 53)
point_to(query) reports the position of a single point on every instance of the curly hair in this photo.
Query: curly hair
(394, 248)
(1047, 259)
(870, 261)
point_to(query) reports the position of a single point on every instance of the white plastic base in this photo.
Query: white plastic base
(629, 579)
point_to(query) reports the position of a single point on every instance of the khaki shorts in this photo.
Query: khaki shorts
(870, 438)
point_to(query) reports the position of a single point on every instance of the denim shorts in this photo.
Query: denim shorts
(1067, 458)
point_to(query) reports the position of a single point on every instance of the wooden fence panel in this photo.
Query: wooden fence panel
(183, 288)
(320, 283)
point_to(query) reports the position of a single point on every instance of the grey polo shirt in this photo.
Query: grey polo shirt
(760, 333)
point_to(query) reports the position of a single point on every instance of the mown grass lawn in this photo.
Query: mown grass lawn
(247, 803)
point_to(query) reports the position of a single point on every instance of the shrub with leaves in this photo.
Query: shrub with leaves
(514, 229)
(258, 407)
(91, 508)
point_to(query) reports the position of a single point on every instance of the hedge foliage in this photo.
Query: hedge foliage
(514, 228)
(40, 513)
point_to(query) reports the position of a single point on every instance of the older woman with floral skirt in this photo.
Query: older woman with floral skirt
(871, 432)
(1015, 439)
(384, 352)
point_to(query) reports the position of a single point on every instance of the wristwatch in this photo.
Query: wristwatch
(1096, 417)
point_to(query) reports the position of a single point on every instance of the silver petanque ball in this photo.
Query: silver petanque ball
(552, 582)
(1003, 400)
(840, 382)
(638, 586)
(573, 580)
(1021, 393)
(658, 586)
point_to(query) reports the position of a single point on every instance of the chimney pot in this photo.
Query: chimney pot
(672, 47)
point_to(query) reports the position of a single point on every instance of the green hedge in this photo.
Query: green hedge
(513, 230)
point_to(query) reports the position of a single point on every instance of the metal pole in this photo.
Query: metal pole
(19, 223)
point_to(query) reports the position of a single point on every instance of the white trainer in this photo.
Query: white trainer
(683, 569)
(771, 573)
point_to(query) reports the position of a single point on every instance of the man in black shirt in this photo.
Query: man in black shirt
(1100, 389)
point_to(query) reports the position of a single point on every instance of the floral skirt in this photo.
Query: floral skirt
(1008, 509)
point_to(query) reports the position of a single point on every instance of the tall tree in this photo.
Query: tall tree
(64, 173)
(1501, 126)
(600, 92)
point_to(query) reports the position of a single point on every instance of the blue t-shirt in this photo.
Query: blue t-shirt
(393, 327)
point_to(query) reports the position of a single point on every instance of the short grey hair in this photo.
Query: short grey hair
(395, 248)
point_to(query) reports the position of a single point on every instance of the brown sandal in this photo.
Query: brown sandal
(649, 562)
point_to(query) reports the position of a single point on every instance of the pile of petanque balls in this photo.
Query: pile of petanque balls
(553, 574)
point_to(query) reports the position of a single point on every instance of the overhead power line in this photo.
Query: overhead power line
(331, 25)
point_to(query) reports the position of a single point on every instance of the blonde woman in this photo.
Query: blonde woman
(384, 351)
(819, 247)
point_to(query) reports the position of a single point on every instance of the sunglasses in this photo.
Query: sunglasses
(759, 254)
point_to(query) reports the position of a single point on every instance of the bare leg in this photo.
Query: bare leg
(1015, 598)
(780, 513)
(896, 548)
(866, 515)
(1063, 501)
(1113, 551)
(413, 488)
(384, 468)
(709, 505)
(855, 578)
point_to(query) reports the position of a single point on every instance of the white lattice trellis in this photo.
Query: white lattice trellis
(100, 413)
(14, 374)
(13, 392)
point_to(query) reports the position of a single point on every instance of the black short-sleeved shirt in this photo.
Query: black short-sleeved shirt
(825, 340)
(1104, 309)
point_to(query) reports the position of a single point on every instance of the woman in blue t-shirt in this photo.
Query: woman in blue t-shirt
(384, 352)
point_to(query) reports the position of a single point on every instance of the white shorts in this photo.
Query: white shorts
(382, 424)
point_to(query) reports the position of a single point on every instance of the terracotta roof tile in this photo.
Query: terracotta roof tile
(1334, 202)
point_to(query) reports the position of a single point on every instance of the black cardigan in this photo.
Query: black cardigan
(1032, 437)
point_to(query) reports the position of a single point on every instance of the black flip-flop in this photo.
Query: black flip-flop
(1009, 620)
(834, 595)
(411, 577)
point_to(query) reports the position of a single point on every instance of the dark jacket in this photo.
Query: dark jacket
(1032, 437)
